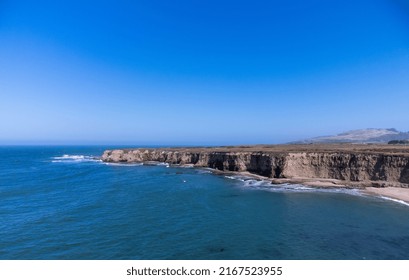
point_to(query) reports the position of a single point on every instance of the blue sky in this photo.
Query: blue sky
(200, 72)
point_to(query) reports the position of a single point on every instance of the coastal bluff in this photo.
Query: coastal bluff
(326, 165)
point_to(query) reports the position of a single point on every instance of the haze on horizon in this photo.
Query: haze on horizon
(200, 72)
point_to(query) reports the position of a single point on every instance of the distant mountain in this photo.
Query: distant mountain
(369, 135)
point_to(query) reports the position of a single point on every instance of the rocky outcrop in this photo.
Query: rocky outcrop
(353, 168)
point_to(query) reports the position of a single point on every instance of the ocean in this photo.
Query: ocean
(64, 203)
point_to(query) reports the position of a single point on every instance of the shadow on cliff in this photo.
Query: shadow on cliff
(404, 176)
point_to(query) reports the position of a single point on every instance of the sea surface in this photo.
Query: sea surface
(64, 203)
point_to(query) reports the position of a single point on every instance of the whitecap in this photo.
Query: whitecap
(74, 159)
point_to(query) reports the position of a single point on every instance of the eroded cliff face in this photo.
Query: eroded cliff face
(348, 167)
(374, 169)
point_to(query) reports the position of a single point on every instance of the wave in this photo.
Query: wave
(250, 183)
(203, 171)
(241, 178)
(75, 159)
(394, 200)
(156, 163)
(147, 163)
(122, 164)
(187, 166)
(293, 187)
(233, 178)
(298, 188)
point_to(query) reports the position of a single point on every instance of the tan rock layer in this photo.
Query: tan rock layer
(354, 168)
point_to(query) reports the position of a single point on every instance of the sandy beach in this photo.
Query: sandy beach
(391, 192)
(398, 193)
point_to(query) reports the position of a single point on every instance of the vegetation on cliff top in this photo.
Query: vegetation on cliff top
(399, 142)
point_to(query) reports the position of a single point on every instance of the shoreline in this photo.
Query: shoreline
(373, 169)
(398, 194)
(395, 193)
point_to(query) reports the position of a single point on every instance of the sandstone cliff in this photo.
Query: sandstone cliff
(353, 167)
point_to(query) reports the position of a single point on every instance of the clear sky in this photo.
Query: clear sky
(200, 72)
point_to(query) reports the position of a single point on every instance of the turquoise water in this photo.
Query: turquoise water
(61, 203)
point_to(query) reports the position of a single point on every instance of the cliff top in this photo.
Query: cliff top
(294, 148)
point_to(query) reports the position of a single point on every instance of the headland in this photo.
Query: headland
(378, 169)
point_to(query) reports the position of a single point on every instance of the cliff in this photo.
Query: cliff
(352, 165)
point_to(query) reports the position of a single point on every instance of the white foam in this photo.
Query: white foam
(234, 178)
(295, 187)
(74, 159)
(203, 171)
(186, 166)
(157, 163)
(122, 164)
(302, 188)
(395, 200)
(256, 183)
(250, 182)
(147, 163)
(266, 185)
(239, 178)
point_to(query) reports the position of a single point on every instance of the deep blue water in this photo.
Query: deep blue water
(74, 207)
